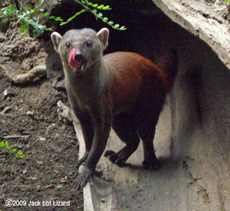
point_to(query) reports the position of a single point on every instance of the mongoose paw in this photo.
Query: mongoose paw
(82, 160)
(115, 158)
(84, 177)
(151, 165)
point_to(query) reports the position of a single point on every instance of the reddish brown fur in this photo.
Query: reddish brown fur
(129, 71)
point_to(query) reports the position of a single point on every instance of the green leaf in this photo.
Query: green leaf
(6, 143)
(9, 10)
(49, 29)
(34, 30)
(99, 15)
(24, 27)
(94, 5)
(52, 17)
(20, 154)
(107, 7)
(23, 10)
(58, 19)
(41, 27)
(13, 150)
(34, 11)
(31, 21)
(101, 6)
(2, 144)
(5, 19)
(46, 14)
(123, 28)
(105, 19)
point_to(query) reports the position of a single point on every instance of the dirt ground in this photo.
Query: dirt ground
(44, 179)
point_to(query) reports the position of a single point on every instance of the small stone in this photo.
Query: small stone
(20, 146)
(42, 139)
(8, 93)
(30, 113)
(103, 200)
(64, 180)
(74, 142)
(49, 186)
(39, 162)
(33, 178)
(59, 186)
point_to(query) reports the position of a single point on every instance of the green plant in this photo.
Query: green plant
(27, 17)
(6, 145)
(227, 1)
(93, 8)
(2, 169)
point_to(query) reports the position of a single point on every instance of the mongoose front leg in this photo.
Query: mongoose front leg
(102, 125)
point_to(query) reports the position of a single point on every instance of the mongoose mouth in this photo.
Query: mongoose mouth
(77, 60)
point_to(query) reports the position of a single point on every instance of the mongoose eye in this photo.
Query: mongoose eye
(89, 43)
(67, 45)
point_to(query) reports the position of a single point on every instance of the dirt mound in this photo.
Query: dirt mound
(30, 123)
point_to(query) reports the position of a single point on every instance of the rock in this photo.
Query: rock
(39, 162)
(33, 178)
(74, 142)
(64, 180)
(8, 93)
(30, 113)
(59, 186)
(42, 139)
(6, 110)
(49, 186)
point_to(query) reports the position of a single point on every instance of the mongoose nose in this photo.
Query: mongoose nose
(79, 56)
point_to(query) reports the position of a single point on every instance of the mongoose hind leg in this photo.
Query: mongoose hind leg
(147, 132)
(124, 126)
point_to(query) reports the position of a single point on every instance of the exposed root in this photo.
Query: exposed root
(35, 74)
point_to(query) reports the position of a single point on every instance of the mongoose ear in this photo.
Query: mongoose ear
(103, 35)
(56, 39)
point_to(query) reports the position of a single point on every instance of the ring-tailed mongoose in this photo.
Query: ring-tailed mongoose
(122, 90)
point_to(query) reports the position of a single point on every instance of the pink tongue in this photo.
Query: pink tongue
(72, 61)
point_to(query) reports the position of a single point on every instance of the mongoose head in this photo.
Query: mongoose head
(80, 49)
